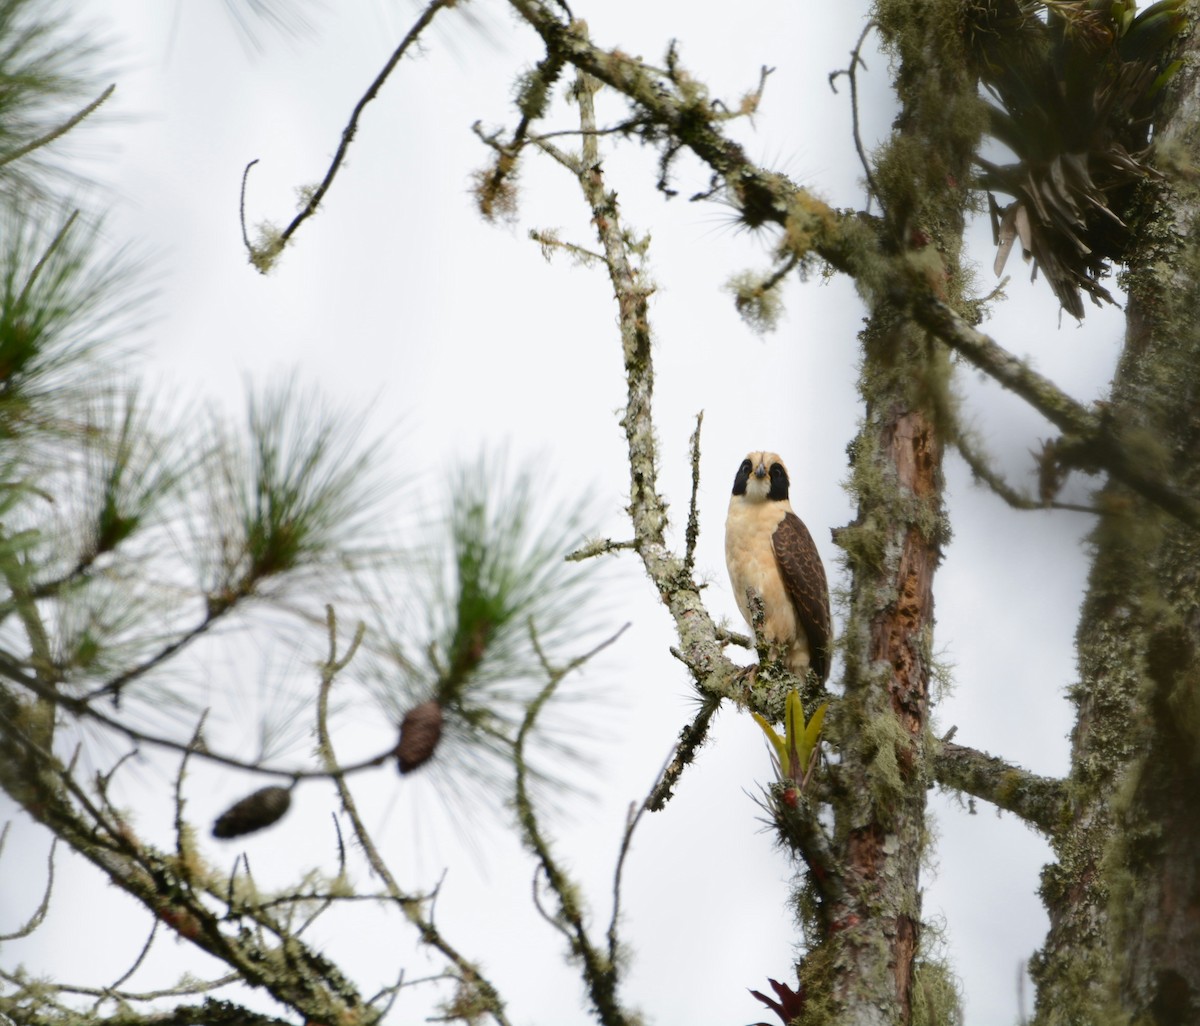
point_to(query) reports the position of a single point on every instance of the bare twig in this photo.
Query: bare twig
(391, 993)
(116, 984)
(183, 833)
(632, 818)
(693, 521)
(39, 914)
(82, 707)
(983, 471)
(348, 133)
(1092, 433)
(242, 205)
(621, 128)
(691, 738)
(786, 268)
(851, 73)
(600, 547)
(409, 905)
(551, 919)
(601, 973)
(728, 637)
(178, 990)
(114, 686)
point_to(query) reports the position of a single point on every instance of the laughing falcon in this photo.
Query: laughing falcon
(769, 551)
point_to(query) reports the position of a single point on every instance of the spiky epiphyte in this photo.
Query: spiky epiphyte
(1075, 82)
(793, 753)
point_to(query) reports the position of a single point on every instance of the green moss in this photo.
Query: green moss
(534, 88)
(936, 998)
(268, 244)
(758, 300)
(809, 223)
(883, 739)
(818, 972)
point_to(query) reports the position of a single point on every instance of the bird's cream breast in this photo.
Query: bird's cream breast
(750, 557)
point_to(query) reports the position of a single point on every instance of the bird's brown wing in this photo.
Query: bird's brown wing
(804, 577)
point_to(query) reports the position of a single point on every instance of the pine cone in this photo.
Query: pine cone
(254, 812)
(420, 732)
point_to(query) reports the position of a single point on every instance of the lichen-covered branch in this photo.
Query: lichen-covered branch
(908, 280)
(1124, 938)
(601, 968)
(699, 646)
(264, 251)
(211, 1012)
(172, 888)
(485, 997)
(1100, 440)
(1040, 801)
(691, 737)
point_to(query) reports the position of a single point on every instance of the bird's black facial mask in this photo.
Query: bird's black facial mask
(779, 483)
(743, 477)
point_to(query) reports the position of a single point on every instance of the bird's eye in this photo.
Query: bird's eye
(746, 466)
(776, 470)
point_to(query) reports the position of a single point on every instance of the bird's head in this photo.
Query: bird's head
(762, 477)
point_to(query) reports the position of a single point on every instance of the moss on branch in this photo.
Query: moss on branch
(1039, 801)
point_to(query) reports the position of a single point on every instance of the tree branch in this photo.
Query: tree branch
(348, 133)
(984, 472)
(1097, 437)
(50, 793)
(1040, 801)
(83, 708)
(691, 738)
(847, 244)
(699, 645)
(601, 972)
(693, 521)
(468, 974)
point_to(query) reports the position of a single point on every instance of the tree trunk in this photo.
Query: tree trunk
(865, 966)
(1124, 896)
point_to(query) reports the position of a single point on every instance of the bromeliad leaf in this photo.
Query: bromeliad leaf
(777, 743)
(812, 736)
(793, 752)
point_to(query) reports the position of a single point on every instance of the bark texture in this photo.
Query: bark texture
(1124, 894)
(864, 964)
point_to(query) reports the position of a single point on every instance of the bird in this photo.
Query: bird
(770, 553)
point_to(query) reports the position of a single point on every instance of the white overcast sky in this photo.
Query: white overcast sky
(462, 336)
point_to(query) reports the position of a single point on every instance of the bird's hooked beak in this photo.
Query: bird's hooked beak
(761, 470)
